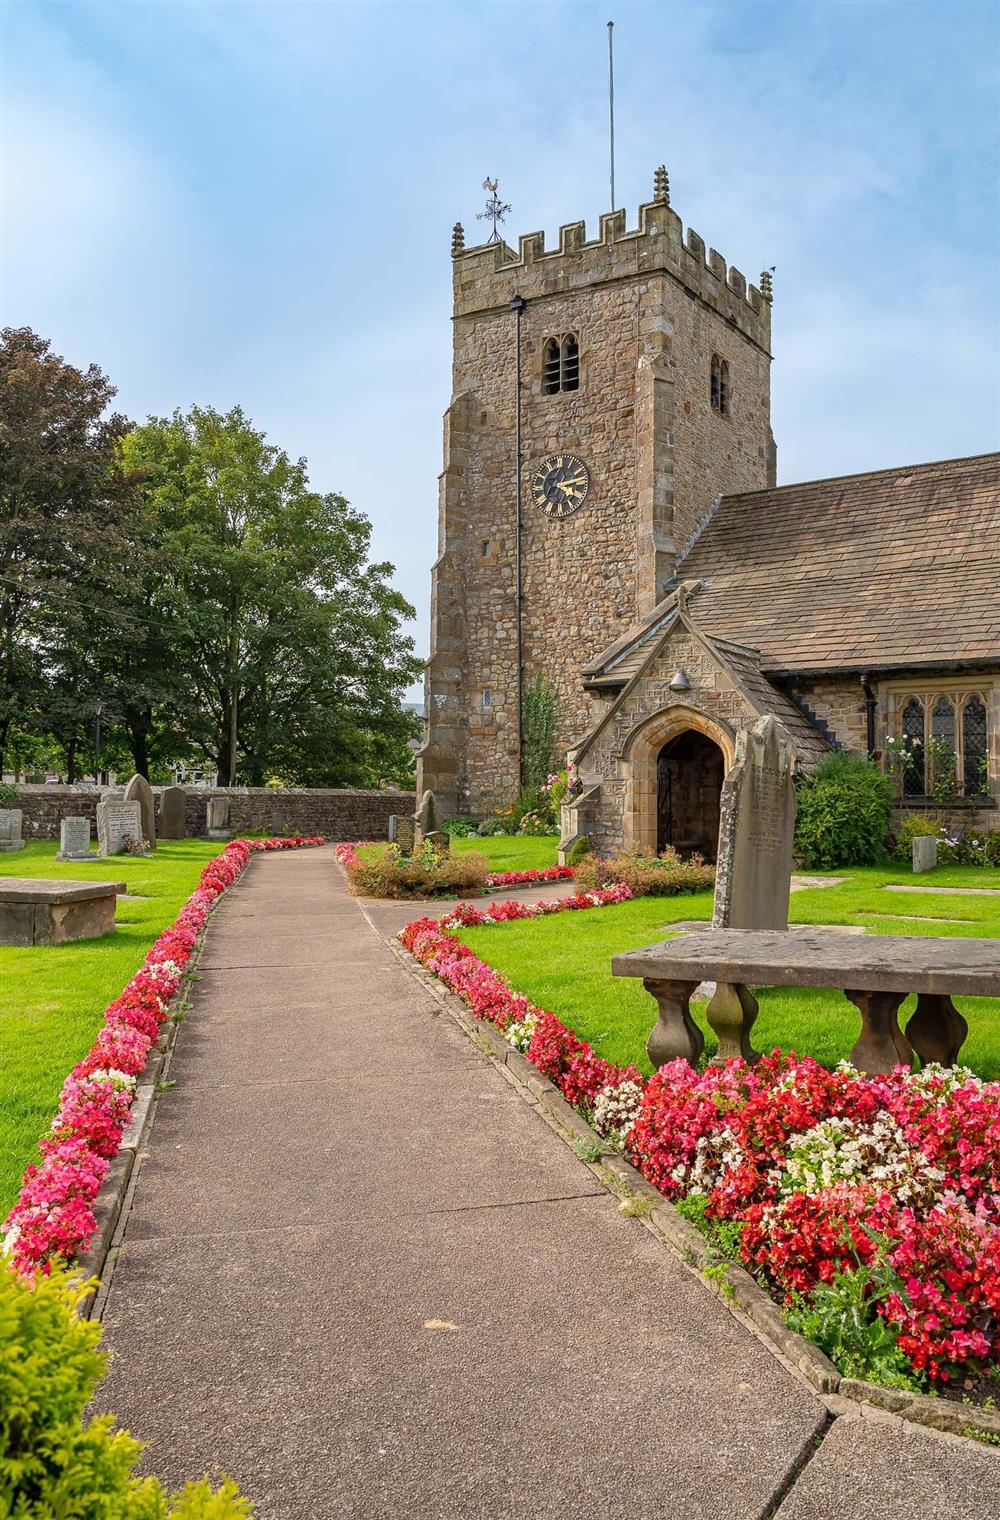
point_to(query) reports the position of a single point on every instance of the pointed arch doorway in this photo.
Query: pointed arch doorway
(689, 772)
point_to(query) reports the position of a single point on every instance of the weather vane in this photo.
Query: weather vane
(496, 209)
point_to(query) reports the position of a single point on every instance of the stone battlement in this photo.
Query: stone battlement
(487, 277)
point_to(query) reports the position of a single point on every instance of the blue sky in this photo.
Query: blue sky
(227, 202)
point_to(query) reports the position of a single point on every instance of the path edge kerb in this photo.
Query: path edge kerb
(730, 1283)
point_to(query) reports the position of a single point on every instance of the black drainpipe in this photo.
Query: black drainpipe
(870, 704)
(517, 305)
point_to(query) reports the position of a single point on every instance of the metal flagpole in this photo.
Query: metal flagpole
(611, 104)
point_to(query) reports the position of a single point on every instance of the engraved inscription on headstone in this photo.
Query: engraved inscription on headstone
(756, 832)
(118, 822)
(74, 839)
(10, 829)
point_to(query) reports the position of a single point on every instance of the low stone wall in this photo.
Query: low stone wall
(338, 814)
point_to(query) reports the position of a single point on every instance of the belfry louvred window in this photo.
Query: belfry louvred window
(718, 385)
(560, 365)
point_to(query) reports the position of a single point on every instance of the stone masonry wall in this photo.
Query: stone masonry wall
(656, 451)
(337, 814)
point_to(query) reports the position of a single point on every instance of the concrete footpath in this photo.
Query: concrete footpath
(364, 1277)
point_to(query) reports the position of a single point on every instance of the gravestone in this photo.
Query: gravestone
(140, 791)
(10, 829)
(427, 825)
(173, 813)
(405, 830)
(74, 839)
(925, 853)
(393, 827)
(756, 830)
(753, 874)
(119, 823)
(217, 818)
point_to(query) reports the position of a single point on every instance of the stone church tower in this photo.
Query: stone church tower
(605, 394)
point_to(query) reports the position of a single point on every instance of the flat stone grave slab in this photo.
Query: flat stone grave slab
(949, 891)
(36, 911)
(810, 883)
(876, 971)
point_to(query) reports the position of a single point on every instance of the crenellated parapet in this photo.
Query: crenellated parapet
(488, 276)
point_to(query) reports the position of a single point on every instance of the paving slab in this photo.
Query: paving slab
(546, 1360)
(879, 1468)
(948, 891)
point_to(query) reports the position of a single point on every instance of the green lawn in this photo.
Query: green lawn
(505, 852)
(52, 998)
(563, 964)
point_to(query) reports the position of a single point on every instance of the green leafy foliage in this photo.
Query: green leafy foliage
(53, 1462)
(840, 1318)
(539, 716)
(844, 807)
(578, 851)
(724, 1234)
(8, 795)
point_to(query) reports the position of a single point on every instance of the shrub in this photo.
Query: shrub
(578, 851)
(843, 813)
(461, 828)
(538, 719)
(425, 874)
(8, 795)
(664, 875)
(51, 1461)
(915, 826)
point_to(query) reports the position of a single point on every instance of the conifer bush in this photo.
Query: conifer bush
(844, 807)
(53, 1462)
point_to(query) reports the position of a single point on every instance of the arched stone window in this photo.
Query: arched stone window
(724, 388)
(715, 384)
(560, 365)
(913, 729)
(974, 746)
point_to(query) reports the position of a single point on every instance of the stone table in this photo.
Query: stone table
(876, 973)
(41, 912)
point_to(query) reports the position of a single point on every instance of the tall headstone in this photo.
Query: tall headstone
(393, 827)
(173, 812)
(217, 818)
(756, 832)
(753, 874)
(10, 829)
(119, 826)
(74, 839)
(140, 791)
(427, 825)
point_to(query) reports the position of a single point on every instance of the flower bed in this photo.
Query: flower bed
(868, 1206)
(434, 875)
(54, 1214)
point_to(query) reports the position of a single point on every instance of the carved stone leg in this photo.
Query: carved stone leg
(936, 1029)
(731, 1014)
(676, 1033)
(882, 1044)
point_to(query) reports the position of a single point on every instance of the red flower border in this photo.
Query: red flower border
(54, 1215)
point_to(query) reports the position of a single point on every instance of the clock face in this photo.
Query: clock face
(560, 485)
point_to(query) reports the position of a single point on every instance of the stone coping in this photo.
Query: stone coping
(819, 958)
(28, 889)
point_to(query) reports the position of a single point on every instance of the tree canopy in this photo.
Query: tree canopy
(186, 575)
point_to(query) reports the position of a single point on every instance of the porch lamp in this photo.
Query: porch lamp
(679, 681)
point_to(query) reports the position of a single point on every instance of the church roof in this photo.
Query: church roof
(895, 568)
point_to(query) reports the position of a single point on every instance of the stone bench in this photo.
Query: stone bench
(40, 912)
(875, 972)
